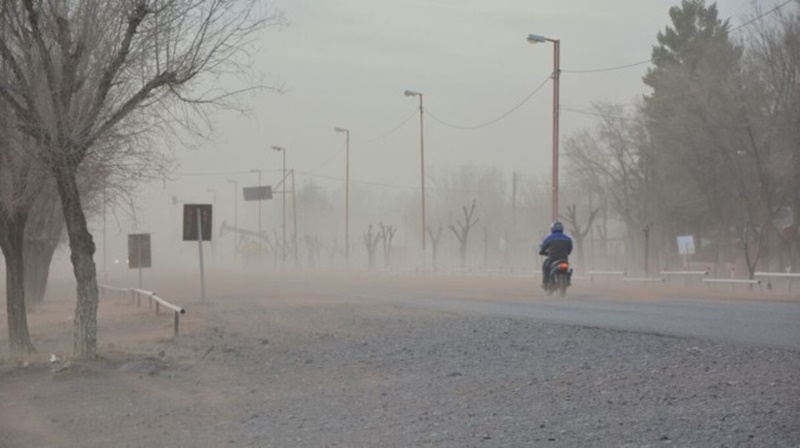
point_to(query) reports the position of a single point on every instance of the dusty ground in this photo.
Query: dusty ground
(299, 361)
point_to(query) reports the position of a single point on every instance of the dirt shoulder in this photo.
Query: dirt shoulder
(308, 362)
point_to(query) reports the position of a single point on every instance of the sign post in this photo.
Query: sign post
(197, 226)
(260, 193)
(686, 248)
(139, 252)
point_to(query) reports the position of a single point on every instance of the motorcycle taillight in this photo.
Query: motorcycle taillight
(563, 266)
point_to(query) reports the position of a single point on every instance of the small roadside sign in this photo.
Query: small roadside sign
(686, 245)
(139, 250)
(190, 224)
(257, 193)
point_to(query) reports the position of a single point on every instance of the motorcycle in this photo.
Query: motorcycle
(560, 277)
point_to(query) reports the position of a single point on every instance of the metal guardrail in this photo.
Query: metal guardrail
(682, 273)
(644, 279)
(604, 274)
(668, 275)
(731, 281)
(137, 294)
(789, 276)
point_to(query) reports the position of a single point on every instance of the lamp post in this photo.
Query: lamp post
(421, 164)
(213, 211)
(235, 215)
(535, 39)
(283, 237)
(105, 229)
(260, 249)
(346, 194)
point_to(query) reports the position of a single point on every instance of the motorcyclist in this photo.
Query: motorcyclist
(556, 246)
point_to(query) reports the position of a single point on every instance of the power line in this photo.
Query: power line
(609, 69)
(647, 61)
(339, 179)
(389, 132)
(761, 16)
(219, 173)
(327, 162)
(495, 120)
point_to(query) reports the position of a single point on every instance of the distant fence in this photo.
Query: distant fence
(153, 300)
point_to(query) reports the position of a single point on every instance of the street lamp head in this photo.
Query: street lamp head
(255, 171)
(537, 39)
(341, 130)
(412, 93)
(278, 148)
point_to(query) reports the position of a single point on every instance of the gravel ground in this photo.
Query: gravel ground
(315, 371)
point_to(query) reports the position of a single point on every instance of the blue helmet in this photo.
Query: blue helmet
(557, 227)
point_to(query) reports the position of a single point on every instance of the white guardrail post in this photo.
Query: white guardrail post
(136, 294)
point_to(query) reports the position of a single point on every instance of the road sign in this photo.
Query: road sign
(257, 193)
(190, 224)
(686, 245)
(139, 250)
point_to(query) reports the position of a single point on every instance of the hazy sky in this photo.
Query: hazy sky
(346, 63)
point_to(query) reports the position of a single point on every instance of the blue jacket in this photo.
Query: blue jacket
(556, 246)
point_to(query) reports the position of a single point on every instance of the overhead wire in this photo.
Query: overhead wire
(647, 61)
(490, 122)
(389, 132)
(494, 120)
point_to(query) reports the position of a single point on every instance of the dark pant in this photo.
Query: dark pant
(546, 271)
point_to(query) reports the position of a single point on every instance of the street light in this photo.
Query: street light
(421, 164)
(536, 39)
(235, 215)
(213, 210)
(346, 195)
(283, 248)
(260, 249)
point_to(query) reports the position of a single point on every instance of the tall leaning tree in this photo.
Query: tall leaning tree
(84, 69)
(688, 114)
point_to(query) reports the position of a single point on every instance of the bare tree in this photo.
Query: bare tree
(610, 161)
(462, 233)
(332, 251)
(314, 247)
(752, 234)
(20, 184)
(43, 234)
(371, 240)
(434, 238)
(579, 231)
(82, 69)
(387, 235)
(772, 69)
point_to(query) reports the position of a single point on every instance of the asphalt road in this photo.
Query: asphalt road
(761, 323)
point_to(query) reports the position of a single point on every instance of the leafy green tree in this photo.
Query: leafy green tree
(691, 117)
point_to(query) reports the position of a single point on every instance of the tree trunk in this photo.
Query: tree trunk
(12, 243)
(82, 250)
(795, 228)
(42, 236)
(581, 254)
(37, 259)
